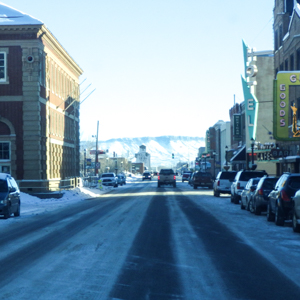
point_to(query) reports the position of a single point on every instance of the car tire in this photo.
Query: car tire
(195, 187)
(242, 205)
(279, 218)
(7, 213)
(217, 194)
(251, 208)
(257, 210)
(270, 215)
(231, 198)
(174, 185)
(158, 185)
(17, 213)
(296, 226)
(236, 200)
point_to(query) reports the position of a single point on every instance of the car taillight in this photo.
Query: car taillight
(158, 177)
(284, 196)
(174, 177)
(260, 192)
(218, 183)
(238, 186)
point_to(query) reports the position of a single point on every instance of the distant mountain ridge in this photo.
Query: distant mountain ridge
(185, 148)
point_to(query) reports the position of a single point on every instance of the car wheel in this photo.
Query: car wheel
(236, 200)
(174, 184)
(279, 219)
(242, 205)
(158, 185)
(257, 210)
(231, 198)
(17, 213)
(217, 194)
(195, 186)
(296, 226)
(251, 208)
(7, 213)
(182, 180)
(270, 215)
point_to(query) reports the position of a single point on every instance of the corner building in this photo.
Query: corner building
(39, 101)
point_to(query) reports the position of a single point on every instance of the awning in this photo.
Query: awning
(239, 156)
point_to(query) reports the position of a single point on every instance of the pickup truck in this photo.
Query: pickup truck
(166, 176)
(202, 179)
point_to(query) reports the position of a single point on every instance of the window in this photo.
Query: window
(2, 66)
(276, 40)
(298, 59)
(292, 62)
(4, 151)
(286, 64)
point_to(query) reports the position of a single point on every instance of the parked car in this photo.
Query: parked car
(240, 180)
(147, 175)
(10, 201)
(166, 177)
(281, 206)
(296, 212)
(260, 198)
(121, 179)
(109, 179)
(190, 179)
(203, 179)
(223, 182)
(186, 176)
(247, 193)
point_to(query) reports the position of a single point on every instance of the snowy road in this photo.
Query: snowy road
(141, 242)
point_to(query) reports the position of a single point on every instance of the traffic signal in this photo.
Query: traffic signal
(173, 155)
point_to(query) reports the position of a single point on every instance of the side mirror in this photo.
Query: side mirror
(12, 190)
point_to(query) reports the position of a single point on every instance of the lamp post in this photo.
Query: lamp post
(84, 163)
(253, 166)
(226, 167)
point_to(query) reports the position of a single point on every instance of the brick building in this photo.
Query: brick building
(39, 101)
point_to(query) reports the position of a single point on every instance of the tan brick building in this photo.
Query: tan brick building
(39, 101)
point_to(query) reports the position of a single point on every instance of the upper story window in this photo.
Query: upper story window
(3, 64)
(4, 151)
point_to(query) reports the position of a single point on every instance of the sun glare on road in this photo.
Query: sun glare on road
(165, 193)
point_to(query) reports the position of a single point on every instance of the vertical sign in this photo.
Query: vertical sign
(237, 127)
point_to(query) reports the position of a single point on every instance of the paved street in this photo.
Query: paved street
(143, 242)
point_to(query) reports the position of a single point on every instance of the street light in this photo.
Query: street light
(253, 166)
(226, 167)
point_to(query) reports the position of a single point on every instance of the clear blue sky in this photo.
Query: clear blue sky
(160, 67)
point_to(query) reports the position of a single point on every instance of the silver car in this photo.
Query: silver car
(109, 179)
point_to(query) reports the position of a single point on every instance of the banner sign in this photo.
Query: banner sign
(237, 127)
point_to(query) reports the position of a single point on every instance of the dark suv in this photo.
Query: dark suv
(280, 207)
(240, 181)
(260, 198)
(202, 179)
(9, 196)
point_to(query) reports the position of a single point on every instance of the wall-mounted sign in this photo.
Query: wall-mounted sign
(237, 127)
(287, 106)
(277, 153)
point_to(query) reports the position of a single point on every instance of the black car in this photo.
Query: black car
(280, 206)
(147, 175)
(9, 196)
(260, 198)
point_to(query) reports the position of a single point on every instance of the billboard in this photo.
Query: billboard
(287, 106)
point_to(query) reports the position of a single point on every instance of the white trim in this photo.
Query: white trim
(61, 143)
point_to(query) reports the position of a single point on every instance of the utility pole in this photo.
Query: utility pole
(96, 154)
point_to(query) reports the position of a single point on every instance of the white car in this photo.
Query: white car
(223, 182)
(109, 179)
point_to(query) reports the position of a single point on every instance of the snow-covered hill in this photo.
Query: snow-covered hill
(160, 148)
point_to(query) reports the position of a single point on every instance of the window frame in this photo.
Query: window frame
(5, 79)
(9, 152)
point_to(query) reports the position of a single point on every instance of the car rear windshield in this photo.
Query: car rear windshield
(202, 174)
(3, 186)
(107, 175)
(245, 176)
(269, 183)
(294, 183)
(166, 172)
(228, 175)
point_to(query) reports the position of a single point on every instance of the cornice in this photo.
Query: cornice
(43, 34)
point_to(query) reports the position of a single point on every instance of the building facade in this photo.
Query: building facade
(39, 101)
(143, 157)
